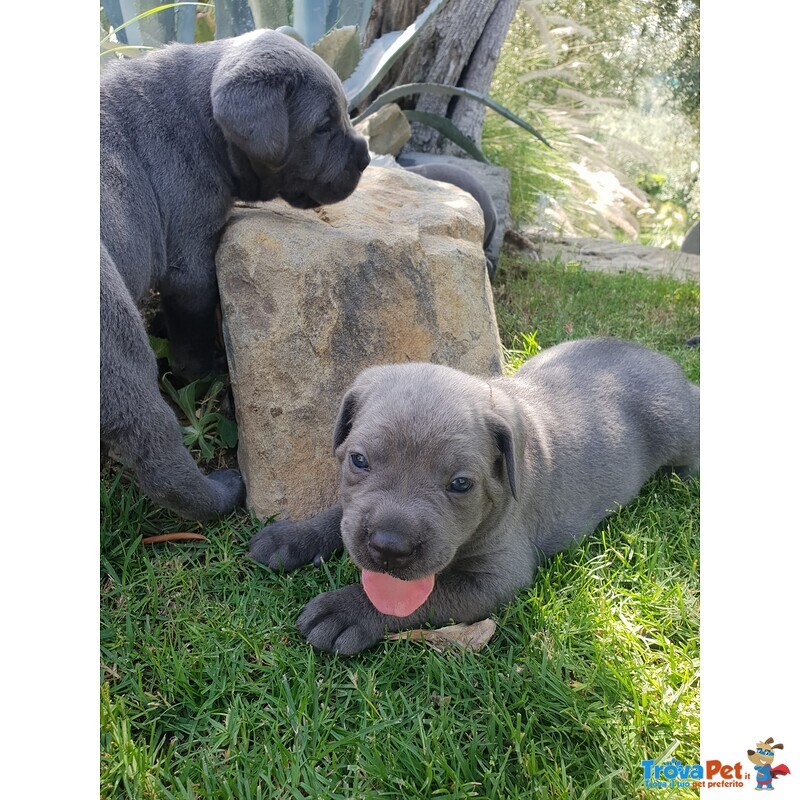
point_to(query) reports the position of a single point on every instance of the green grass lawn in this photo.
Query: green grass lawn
(208, 691)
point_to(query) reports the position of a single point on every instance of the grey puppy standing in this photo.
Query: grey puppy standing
(468, 483)
(184, 131)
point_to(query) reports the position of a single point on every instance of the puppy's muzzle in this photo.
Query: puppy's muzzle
(361, 155)
(390, 549)
(334, 185)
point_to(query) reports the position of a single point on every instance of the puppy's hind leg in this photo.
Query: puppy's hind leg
(686, 463)
(686, 472)
(136, 421)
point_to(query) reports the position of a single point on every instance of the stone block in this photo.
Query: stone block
(394, 273)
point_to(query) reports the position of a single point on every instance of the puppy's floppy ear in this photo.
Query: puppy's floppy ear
(344, 422)
(251, 110)
(508, 433)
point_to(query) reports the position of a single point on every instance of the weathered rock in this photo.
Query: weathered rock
(496, 181)
(310, 298)
(386, 131)
(608, 255)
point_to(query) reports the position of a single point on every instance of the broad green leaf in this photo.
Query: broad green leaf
(378, 58)
(439, 88)
(161, 347)
(340, 49)
(269, 13)
(227, 431)
(171, 390)
(206, 449)
(447, 128)
(188, 401)
(310, 18)
(184, 398)
(217, 385)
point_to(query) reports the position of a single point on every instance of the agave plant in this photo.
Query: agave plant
(132, 27)
(373, 64)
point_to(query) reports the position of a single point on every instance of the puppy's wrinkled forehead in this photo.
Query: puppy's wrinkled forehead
(419, 406)
(317, 91)
(316, 103)
(312, 86)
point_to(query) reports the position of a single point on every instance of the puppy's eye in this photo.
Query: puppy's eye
(459, 485)
(325, 126)
(359, 461)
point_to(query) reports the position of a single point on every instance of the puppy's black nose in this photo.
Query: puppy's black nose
(362, 154)
(390, 549)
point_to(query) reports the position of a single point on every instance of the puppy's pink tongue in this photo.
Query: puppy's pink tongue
(393, 596)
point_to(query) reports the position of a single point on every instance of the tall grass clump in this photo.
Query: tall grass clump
(623, 166)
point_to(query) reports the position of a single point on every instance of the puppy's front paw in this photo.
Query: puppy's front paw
(230, 488)
(342, 621)
(287, 545)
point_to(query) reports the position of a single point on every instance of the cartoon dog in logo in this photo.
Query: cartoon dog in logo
(762, 757)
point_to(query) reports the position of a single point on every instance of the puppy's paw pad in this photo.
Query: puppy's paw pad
(280, 546)
(339, 622)
(286, 545)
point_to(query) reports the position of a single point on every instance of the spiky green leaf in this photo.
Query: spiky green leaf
(227, 431)
(448, 129)
(439, 88)
(340, 49)
(378, 58)
(269, 13)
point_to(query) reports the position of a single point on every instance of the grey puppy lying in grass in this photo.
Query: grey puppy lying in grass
(454, 488)
(184, 131)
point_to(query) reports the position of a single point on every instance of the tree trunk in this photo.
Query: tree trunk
(467, 115)
(458, 47)
(390, 15)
